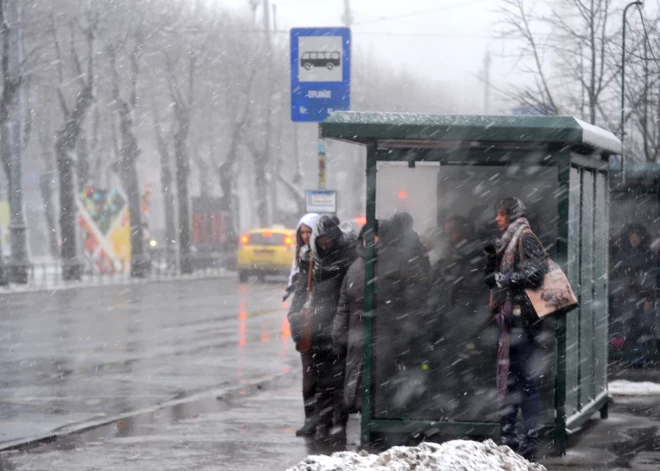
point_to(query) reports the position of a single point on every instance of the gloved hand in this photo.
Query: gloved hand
(502, 279)
(489, 247)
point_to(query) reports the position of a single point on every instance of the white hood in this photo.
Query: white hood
(308, 220)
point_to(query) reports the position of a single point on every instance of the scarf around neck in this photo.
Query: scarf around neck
(506, 247)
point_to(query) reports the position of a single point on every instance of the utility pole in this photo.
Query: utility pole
(272, 164)
(18, 263)
(266, 8)
(486, 72)
(623, 83)
(347, 18)
(274, 18)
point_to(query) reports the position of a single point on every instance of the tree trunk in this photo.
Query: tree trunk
(204, 182)
(168, 206)
(46, 187)
(66, 168)
(227, 176)
(261, 189)
(182, 172)
(166, 189)
(82, 162)
(128, 155)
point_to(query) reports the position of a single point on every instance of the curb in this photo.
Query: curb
(245, 390)
(118, 282)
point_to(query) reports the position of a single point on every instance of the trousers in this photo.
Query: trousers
(329, 398)
(522, 392)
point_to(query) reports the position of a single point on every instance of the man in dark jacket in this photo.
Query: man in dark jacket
(400, 323)
(331, 258)
(347, 333)
(515, 262)
(462, 330)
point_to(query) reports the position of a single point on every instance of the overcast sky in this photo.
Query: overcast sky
(443, 39)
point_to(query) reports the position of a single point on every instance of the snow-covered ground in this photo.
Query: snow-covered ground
(449, 456)
(630, 388)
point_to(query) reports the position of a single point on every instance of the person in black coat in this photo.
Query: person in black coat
(347, 332)
(634, 286)
(401, 339)
(331, 257)
(462, 329)
(516, 261)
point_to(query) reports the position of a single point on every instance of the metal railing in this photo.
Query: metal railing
(48, 273)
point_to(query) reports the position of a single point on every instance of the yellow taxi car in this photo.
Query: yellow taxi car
(264, 252)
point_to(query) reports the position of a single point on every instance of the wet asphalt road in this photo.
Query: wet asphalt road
(218, 358)
(72, 357)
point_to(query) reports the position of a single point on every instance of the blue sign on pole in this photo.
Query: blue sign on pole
(320, 72)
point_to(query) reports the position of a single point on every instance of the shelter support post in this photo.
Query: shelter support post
(369, 299)
(560, 326)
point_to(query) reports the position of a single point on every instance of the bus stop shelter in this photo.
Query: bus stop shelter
(439, 168)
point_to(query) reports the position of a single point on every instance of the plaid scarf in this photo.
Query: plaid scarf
(506, 247)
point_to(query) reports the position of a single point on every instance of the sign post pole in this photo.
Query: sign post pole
(320, 79)
(321, 151)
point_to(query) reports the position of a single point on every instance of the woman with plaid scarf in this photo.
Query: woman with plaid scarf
(516, 262)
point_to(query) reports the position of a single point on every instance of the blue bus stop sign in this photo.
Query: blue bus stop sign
(320, 72)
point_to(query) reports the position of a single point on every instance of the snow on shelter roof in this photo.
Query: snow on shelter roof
(411, 130)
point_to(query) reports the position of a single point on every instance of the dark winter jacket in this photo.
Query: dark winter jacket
(635, 268)
(347, 333)
(403, 279)
(328, 271)
(528, 273)
(633, 286)
(458, 299)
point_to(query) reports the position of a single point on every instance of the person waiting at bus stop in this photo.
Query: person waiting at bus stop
(347, 332)
(634, 283)
(330, 255)
(515, 262)
(303, 237)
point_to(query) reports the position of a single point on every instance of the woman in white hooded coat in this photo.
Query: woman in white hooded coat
(303, 237)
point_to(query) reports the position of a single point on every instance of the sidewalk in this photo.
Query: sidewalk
(254, 430)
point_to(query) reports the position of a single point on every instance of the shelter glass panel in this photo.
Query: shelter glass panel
(600, 279)
(435, 357)
(586, 346)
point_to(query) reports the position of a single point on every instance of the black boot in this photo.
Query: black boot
(528, 452)
(322, 434)
(511, 442)
(338, 436)
(308, 429)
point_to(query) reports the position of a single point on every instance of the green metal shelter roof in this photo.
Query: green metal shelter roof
(637, 169)
(412, 130)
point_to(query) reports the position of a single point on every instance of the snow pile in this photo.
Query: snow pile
(461, 455)
(630, 388)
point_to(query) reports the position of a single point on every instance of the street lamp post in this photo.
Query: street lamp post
(623, 76)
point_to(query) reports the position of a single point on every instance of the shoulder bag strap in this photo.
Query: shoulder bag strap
(309, 275)
(520, 244)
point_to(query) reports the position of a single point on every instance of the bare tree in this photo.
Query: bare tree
(46, 181)
(129, 149)
(573, 64)
(67, 136)
(165, 185)
(182, 96)
(643, 90)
